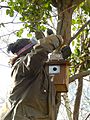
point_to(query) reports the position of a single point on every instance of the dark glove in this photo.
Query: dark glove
(66, 52)
(49, 31)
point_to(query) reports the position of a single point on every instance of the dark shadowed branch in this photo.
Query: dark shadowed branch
(80, 30)
(78, 76)
(2, 6)
(78, 99)
(87, 116)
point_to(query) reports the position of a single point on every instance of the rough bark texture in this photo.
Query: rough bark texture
(65, 9)
(64, 19)
(77, 2)
(67, 105)
(79, 89)
(78, 99)
(78, 76)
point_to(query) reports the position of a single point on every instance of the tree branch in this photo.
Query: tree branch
(2, 6)
(87, 116)
(9, 33)
(78, 99)
(67, 105)
(78, 76)
(80, 30)
(77, 2)
(11, 23)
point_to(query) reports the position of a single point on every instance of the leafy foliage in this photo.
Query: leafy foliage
(34, 13)
(81, 53)
(86, 7)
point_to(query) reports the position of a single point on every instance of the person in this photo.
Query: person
(29, 93)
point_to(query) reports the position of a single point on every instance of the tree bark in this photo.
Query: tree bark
(78, 100)
(78, 76)
(65, 10)
(79, 31)
(67, 105)
(64, 19)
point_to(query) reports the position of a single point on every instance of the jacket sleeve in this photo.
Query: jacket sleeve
(49, 43)
(46, 45)
(28, 67)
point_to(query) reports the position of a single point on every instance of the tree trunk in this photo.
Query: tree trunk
(80, 87)
(67, 105)
(78, 99)
(64, 19)
(65, 10)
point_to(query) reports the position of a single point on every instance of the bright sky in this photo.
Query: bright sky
(4, 67)
(4, 74)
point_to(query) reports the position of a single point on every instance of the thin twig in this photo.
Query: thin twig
(9, 33)
(80, 30)
(87, 116)
(4, 6)
(12, 23)
(80, 75)
(5, 53)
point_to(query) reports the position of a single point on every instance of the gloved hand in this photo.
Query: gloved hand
(66, 52)
(49, 31)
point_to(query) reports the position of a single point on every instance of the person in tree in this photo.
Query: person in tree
(29, 93)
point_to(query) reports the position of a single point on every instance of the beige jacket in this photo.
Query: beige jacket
(28, 99)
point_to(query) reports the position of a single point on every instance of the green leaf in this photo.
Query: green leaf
(73, 43)
(2, 0)
(74, 28)
(86, 6)
(29, 35)
(11, 13)
(19, 33)
(77, 51)
(43, 28)
(73, 21)
(7, 11)
(26, 25)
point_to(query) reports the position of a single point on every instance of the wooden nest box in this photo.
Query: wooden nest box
(60, 70)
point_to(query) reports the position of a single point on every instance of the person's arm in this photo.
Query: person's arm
(46, 46)
(28, 67)
(49, 43)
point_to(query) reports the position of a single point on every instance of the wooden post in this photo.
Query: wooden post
(52, 106)
(58, 72)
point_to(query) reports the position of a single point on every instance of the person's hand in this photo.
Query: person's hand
(12, 59)
(66, 52)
